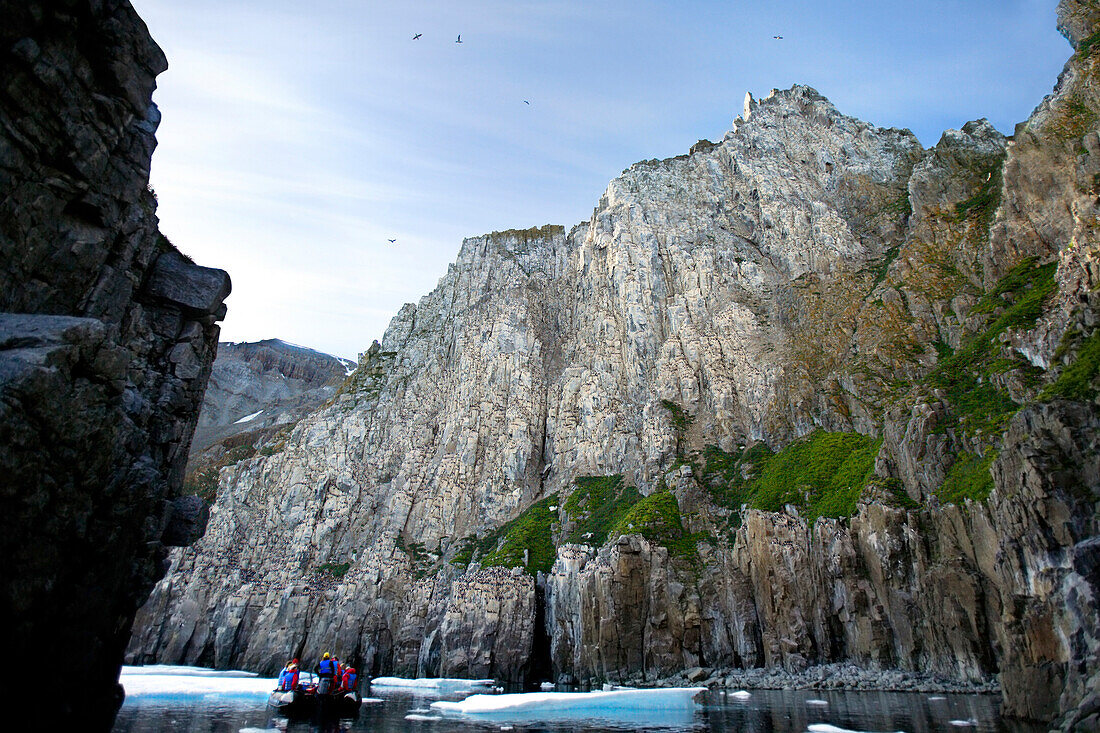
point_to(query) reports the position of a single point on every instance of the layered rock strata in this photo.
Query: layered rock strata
(262, 385)
(807, 272)
(107, 334)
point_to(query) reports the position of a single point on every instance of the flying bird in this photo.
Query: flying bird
(778, 38)
(459, 39)
(417, 36)
(526, 102)
(392, 241)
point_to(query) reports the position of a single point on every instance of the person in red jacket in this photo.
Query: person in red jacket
(350, 679)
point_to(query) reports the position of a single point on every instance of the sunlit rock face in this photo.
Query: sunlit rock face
(807, 272)
(106, 338)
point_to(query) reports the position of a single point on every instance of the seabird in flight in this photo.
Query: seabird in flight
(417, 36)
(459, 39)
(778, 38)
(392, 241)
(526, 102)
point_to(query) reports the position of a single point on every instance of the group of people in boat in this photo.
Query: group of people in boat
(333, 676)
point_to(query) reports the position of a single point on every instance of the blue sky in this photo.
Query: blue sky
(298, 137)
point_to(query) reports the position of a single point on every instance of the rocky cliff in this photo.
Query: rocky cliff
(265, 383)
(807, 394)
(106, 338)
(257, 393)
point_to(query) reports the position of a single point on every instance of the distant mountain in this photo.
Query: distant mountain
(256, 391)
(266, 383)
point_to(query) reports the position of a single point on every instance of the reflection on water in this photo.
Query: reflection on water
(764, 712)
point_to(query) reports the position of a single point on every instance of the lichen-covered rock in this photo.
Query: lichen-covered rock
(106, 340)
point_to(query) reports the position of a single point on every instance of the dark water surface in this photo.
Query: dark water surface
(767, 711)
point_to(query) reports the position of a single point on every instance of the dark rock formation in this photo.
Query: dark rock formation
(106, 339)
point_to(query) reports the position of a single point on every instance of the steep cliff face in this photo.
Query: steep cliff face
(106, 338)
(807, 394)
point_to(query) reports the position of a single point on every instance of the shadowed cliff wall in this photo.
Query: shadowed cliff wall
(107, 334)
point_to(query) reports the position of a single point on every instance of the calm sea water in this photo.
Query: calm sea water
(765, 712)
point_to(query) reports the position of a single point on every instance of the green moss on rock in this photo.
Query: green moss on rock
(822, 474)
(966, 375)
(657, 518)
(595, 506)
(1078, 381)
(969, 478)
(530, 533)
(334, 569)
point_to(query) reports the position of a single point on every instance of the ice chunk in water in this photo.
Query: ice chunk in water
(441, 685)
(829, 728)
(670, 706)
(165, 682)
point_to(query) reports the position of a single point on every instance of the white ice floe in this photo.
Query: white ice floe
(422, 717)
(371, 700)
(830, 728)
(937, 698)
(541, 705)
(547, 686)
(817, 703)
(740, 695)
(249, 418)
(963, 723)
(173, 669)
(440, 685)
(189, 682)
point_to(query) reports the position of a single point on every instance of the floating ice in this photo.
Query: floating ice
(818, 703)
(741, 695)
(617, 704)
(174, 669)
(829, 728)
(441, 685)
(371, 700)
(168, 682)
(937, 698)
(547, 686)
(963, 723)
(421, 717)
(248, 418)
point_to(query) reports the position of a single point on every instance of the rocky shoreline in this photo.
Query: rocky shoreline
(838, 676)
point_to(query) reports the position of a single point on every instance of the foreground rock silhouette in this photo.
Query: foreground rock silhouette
(107, 334)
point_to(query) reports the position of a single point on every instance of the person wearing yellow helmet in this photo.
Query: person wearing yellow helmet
(326, 673)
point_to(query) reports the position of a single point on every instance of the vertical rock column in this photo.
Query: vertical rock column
(107, 335)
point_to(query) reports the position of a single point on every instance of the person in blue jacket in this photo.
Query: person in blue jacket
(288, 678)
(326, 672)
